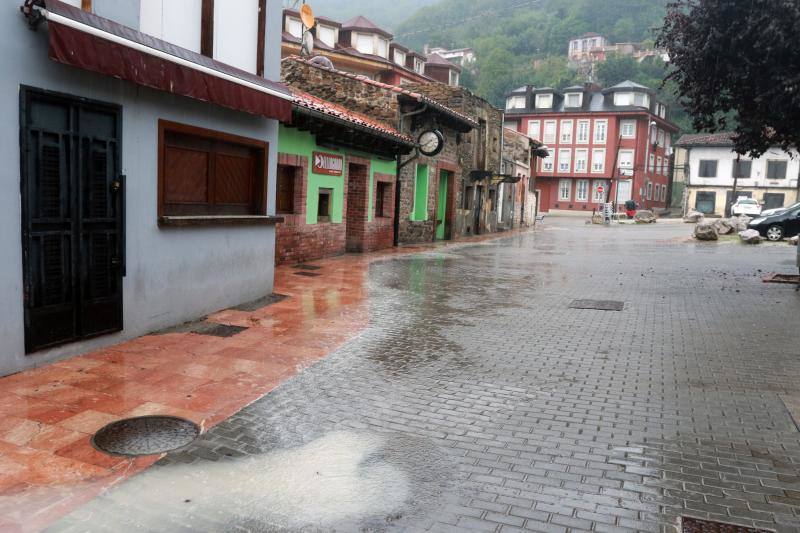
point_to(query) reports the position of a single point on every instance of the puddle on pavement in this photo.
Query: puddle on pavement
(343, 480)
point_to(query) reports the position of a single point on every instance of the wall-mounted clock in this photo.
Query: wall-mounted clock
(431, 142)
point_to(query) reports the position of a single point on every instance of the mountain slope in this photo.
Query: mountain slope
(386, 14)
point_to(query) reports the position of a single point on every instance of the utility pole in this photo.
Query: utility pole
(729, 205)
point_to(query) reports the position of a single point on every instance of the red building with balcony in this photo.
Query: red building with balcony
(605, 145)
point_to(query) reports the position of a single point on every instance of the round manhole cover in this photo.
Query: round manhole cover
(145, 435)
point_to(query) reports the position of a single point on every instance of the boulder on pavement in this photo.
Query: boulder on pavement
(741, 222)
(726, 226)
(750, 236)
(644, 216)
(705, 231)
(597, 218)
(793, 240)
(694, 217)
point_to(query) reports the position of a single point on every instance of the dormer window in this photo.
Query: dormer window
(574, 100)
(294, 27)
(383, 48)
(365, 43)
(641, 100)
(544, 101)
(515, 102)
(623, 99)
(454, 78)
(327, 35)
(400, 57)
(419, 66)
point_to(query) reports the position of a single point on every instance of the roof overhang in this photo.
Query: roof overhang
(84, 40)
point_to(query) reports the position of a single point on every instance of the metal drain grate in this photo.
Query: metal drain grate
(307, 274)
(599, 305)
(696, 525)
(145, 435)
(308, 267)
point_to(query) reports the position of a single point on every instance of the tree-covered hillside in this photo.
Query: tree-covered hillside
(525, 41)
(387, 14)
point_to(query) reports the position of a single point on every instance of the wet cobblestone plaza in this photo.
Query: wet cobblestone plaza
(478, 399)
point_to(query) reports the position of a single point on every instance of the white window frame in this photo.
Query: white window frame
(382, 48)
(548, 163)
(294, 27)
(323, 32)
(623, 99)
(584, 197)
(561, 184)
(649, 190)
(564, 163)
(582, 160)
(549, 138)
(659, 165)
(660, 138)
(515, 102)
(538, 127)
(400, 58)
(361, 43)
(565, 134)
(652, 164)
(627, 129)
(455, 78)
(598, 167)
(567, 98)
(625, 161)
(583, 139)
(596, 196)
(641, 100)
(544, 98)
(600, 131)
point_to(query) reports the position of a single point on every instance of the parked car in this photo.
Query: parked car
(776, 227)
(770, 212)
(746, 206)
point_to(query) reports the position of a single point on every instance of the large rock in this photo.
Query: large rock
(694, 217)
(644, 216)
(741, 222)
(597, 218)
(750, 236)
(726, 226)
(705, 231)
(793, 240)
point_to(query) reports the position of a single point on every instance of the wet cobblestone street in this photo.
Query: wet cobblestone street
(477, 399)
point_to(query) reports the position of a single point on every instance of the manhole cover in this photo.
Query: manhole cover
(696, 525)
(600, 305)
(145, 435)
(307, 274)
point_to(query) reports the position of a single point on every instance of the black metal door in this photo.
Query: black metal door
(72, 218)
(477, 209)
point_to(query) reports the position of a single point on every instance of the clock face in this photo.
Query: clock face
(431, 142)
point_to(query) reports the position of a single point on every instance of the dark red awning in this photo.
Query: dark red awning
(93, 43)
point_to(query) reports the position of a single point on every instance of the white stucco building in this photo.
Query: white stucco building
(709, 165)
(139, 148)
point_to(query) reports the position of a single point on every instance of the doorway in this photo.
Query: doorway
(624, 190)
(73, 237)
(730, 200)
(357, 206)
(476, 210)
(445, 206)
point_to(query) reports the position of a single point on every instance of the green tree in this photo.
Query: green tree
(616, 69)
(740, 60)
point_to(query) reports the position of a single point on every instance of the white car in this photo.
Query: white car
(746, 206)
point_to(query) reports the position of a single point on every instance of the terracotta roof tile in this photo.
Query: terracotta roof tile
(724, 138)
(308, 101)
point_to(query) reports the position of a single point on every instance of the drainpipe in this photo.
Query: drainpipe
(400, 166)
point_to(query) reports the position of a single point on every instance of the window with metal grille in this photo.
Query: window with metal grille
(776, 170)
(209, 173)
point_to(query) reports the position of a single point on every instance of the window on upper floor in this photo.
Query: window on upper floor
(599, 160)
(564, 160)
(455, 78)
(364, 43)
(327, 35)
(419, 66)
(515, 102)
(179, 23)
(383, 48)
(742, 169)
(564, 190)
(548, 162)
(660, 138)
(627, 129)
(652, 165)
(581, 160)
(708, 168)
(544, 101)
(582, 191)
(534, 129)
(549, 132)
(659, 165)
(566, 132)
(600, 131)
(293, 26)
(776, 170)
(626, 160)
(400, 57)
(583, 132)
(623, 99)
(641, 99)
(573, 100)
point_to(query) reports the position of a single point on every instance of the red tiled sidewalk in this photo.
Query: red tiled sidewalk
(48, 466)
